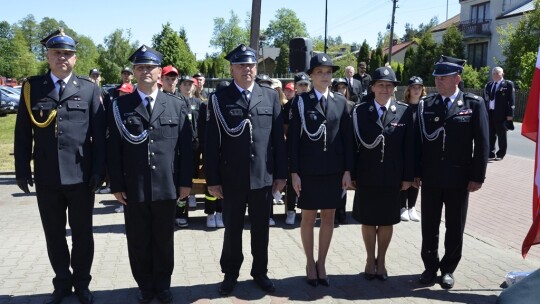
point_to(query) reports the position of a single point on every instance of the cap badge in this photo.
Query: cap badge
(243, 48)
(386, 72)
(143, 49)
(324, 59)
(441, 59)
(436, 119)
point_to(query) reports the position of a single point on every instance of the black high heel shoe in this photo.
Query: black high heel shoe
(370, 276)
(312, 282)
(322, 281)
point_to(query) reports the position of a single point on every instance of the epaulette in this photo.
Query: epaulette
(402, 103)
(431, 95)
(338, 93)
(471, 95)
(84, 78)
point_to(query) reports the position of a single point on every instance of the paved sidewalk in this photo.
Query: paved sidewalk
(499, 217)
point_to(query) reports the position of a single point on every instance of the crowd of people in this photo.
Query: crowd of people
(252, 138)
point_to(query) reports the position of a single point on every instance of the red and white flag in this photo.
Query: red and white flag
(529, 129)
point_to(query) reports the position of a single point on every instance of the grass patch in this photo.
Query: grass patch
(7, 128)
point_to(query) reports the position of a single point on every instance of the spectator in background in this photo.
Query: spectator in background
(289, 91)
(413, 93)
(301, 83)
(169, 79)
(95, 76)
(200, 92)
(127, 76)
(364, 77)
(354, 86)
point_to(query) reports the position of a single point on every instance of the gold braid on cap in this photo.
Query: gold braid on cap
(50, 118)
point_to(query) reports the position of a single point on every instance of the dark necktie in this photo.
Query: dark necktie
(383, 115)
(493, 90)
(148, 104)
(245, 93)
(62, 85)
(323, 103)
(447, 104)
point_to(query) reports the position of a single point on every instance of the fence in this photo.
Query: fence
(519, 110)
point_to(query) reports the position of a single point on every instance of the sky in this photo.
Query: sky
(353, 20)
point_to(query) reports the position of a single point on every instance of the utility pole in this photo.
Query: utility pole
(325, 26)
(392, 32)
(255, 25)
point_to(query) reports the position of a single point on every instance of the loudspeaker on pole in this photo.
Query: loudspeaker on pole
(300, 52)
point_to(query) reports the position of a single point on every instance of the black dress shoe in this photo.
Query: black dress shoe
(369, 276)
(145, 296)
(312, 282)
(165, 296)
(447, 281)
(322, 281)
(84, 296)
(227, 286)
(264, 283)
(58, 295)
(428, 277)
(382, 277)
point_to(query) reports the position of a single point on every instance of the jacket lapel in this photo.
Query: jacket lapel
(390, 113)
(159, 107)
(72, 87)
(140, 108)
(256, 97)
(50, 88)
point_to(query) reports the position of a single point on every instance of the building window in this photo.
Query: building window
(477, 54)
(480, 12)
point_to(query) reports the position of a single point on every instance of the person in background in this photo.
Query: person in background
(364, 77)
(150, 164)
(321, 159)
(60, 127)
(383, 131)
(169, 79)
(354, 86)
(213, 207)
(127, 77)
(340, 86)
(95, 76)
(245, 163)
(413, 93)
(500, 96)
(301, 83)
(289, 91)
(452, 155)
(199, 88)
(192, 104)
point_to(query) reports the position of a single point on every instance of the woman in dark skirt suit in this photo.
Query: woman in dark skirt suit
(321, 156)
(384, 165)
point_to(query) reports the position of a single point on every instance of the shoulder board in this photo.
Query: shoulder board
(172, 95)
(470, 95)
(402, 103)
(34, 78)
(84, 78)
(338, 93)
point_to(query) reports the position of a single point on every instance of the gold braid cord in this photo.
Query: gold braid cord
(50, 118)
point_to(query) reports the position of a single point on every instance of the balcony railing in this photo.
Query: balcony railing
(472, 29)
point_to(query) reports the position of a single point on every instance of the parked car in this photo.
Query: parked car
(10, 91)
(11, 102)
(6, 105)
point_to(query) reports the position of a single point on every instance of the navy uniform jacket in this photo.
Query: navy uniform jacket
(235, 162)
(398, 131)
(505, 97)
(154, 169)
(193, 105)
(308, 157)
(70, 153)
(466, 148)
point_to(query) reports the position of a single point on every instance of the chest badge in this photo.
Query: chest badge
(436, 119)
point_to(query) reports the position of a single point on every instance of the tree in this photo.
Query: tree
(409, 69)
(87, 55)
(424, 58)
(228, 35)
(452, 44)
(411, 32)
(518, 45)
(363, 53)
(475, 78)
(175, 50)
(284, 27)
(114, 54)
(16, 60)
(282, 65)
(376, 59)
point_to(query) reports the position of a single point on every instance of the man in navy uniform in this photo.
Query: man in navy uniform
(62, 117)
(150, 166)
(451, 162)
(245, 162)
(500, 96)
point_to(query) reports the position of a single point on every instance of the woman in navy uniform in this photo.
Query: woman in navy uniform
(61, 127)
(384, 165)
(150, 166)
(320, 160)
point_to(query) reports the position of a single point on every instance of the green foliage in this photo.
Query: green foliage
(282, 65)
(363, 53)
(87, 56)
(175, 50)
(452, 44)
(420, 62)
(346, 60)
(475, 78)
(284, 27)
(411, 33)
(517, 44)
(228, 35)
(376, 59)
(114, 54)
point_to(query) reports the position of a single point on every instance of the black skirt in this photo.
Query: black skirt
(377, 206)
(320, 192)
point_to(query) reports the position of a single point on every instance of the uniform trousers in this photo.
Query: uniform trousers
(235, 201)
(455, 201)
(150, 238)
(53, 201)
(211, 204)
(497, 131)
